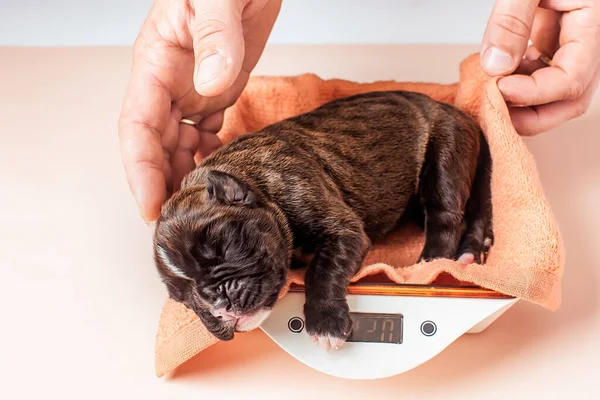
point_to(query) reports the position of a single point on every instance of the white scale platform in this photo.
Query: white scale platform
(429, 325)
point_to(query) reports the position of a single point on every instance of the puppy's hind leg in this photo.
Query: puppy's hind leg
(479, 235)
(445, 183)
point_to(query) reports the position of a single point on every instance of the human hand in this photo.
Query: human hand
(557, 78)
(192, 59)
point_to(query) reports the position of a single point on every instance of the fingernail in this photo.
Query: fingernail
(211, 68)
(497, 62)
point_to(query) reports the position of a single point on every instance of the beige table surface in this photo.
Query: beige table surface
(80, 298)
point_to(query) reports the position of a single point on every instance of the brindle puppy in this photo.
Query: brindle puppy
(330, 182)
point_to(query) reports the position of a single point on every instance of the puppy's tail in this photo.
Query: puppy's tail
(479, 234)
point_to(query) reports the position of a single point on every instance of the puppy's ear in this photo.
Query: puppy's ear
(227, 189)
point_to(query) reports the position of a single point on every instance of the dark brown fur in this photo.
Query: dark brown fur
(331, 182)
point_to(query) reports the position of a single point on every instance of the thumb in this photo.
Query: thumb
(507, 35)
(218, 45)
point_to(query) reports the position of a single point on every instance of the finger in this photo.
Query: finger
(182, 161)
(170, 140)
(200, 138)
(212, 123)
(168, 174)
(565, 5)
(546, 31)
(209, 141)
(218, 45)
(529, 121)
(143, 118)
(532, 53)
(567, 79)
(573, 65)
(258, 27)
(531, 62)
(506, 35)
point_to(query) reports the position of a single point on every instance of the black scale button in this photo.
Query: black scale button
(296, 324)
(428, 328)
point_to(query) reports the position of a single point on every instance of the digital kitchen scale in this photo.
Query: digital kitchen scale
(395, 327)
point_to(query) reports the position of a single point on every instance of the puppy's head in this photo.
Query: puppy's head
(221, 250)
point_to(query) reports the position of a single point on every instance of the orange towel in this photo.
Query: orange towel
(526, 260)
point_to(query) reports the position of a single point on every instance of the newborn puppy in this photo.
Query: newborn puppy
(327, 183)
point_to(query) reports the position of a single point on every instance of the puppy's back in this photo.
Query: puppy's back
(368, 149)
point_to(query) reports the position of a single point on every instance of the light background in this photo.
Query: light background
(80, 299)
(80, 307)
(116, 22)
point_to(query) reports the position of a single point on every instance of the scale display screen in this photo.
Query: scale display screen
(376, 328)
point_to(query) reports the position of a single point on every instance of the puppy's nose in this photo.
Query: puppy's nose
(221, 312)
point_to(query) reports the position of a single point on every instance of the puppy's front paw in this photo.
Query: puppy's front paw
(328, 323)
